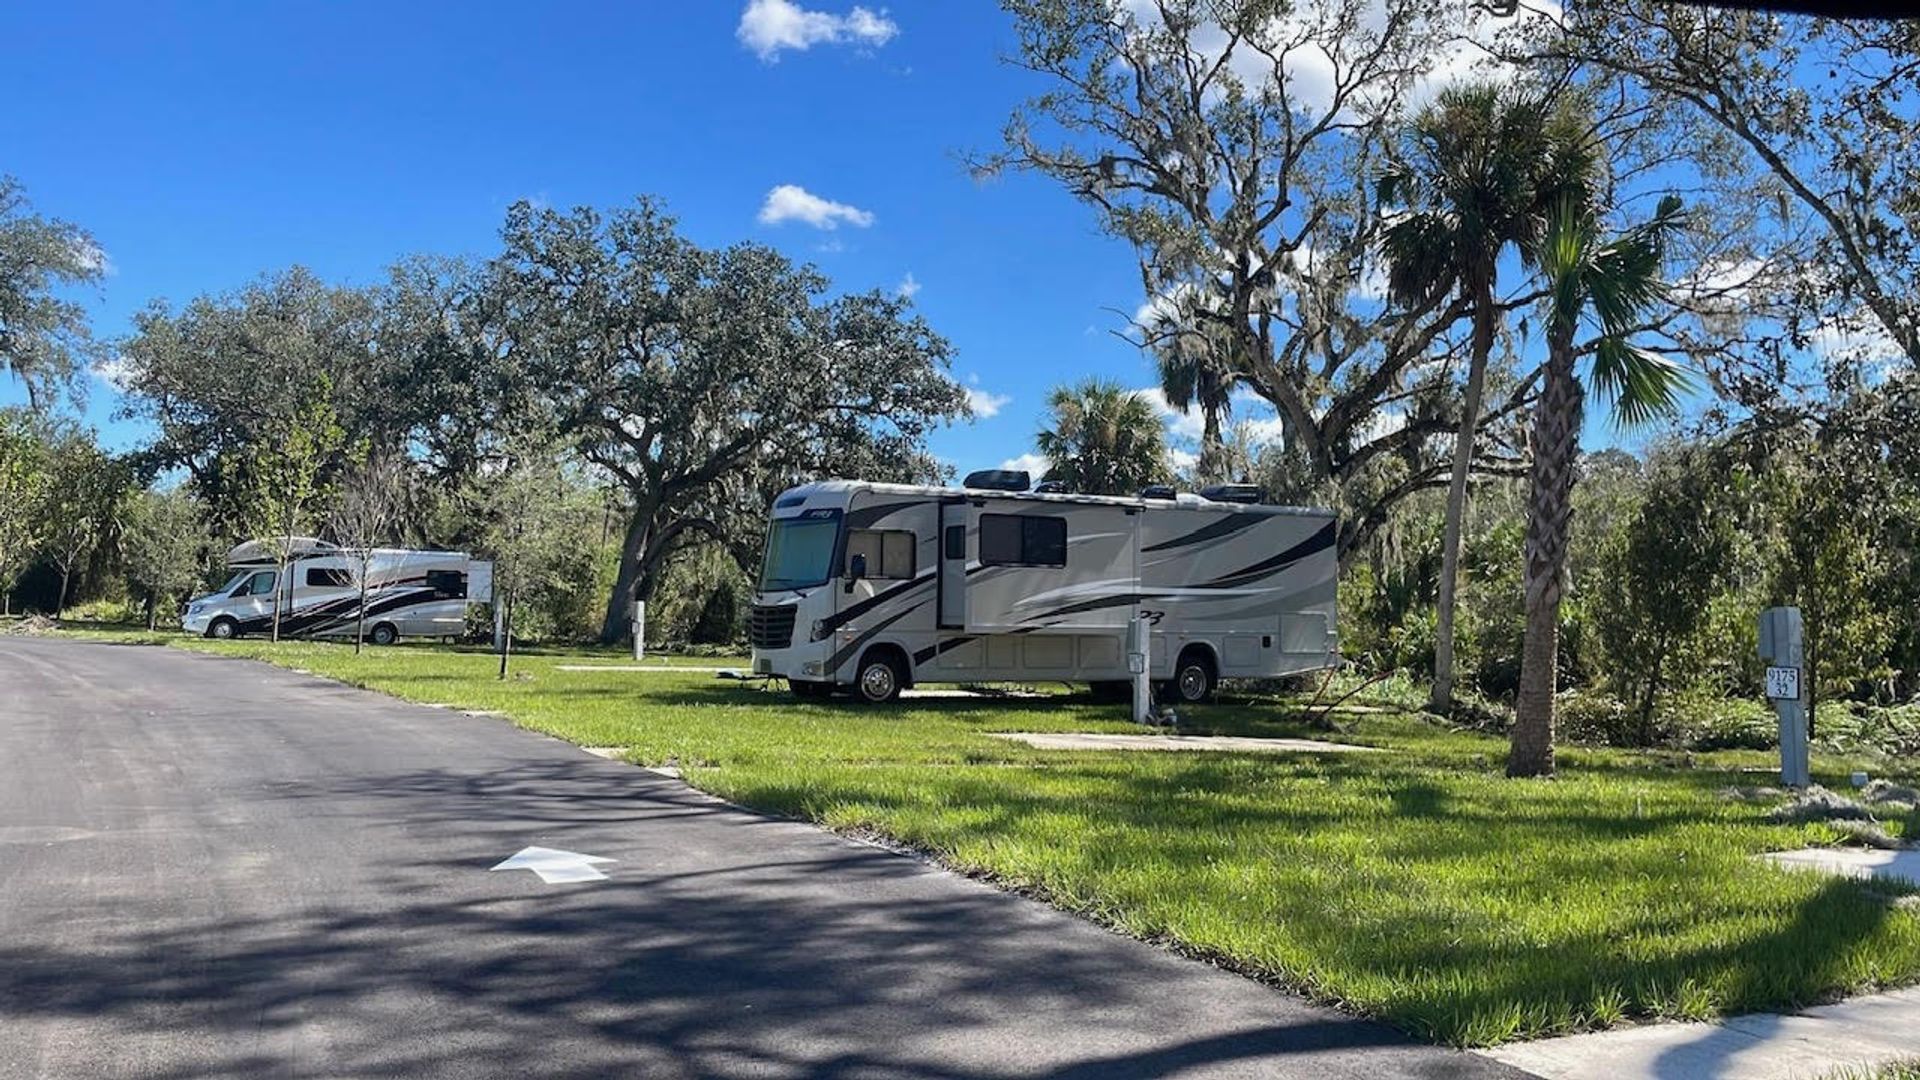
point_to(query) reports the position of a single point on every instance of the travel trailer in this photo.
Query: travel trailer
(408, 593)
(875, 587)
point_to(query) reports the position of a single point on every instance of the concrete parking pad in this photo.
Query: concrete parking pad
(1899, 866)
(1858, 1033)
(1235, 744)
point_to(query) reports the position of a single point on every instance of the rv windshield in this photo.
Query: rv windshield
(800, 551)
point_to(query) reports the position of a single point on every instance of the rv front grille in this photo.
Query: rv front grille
(771, 627)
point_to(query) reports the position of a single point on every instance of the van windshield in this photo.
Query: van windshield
(800, 551)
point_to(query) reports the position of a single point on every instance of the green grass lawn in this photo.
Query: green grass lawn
(1419, 886)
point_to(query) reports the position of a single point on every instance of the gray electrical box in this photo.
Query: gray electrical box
(1781, 648)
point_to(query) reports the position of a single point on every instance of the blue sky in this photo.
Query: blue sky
(207, 143)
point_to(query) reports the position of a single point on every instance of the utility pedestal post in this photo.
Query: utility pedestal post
(1780, 647)
(639, 629)
(1137, 663)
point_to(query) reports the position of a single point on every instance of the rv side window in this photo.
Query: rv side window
(1023, 540)
(889, 552)
(956, 541)
(328, 577)
(447, 584)
(260, 584)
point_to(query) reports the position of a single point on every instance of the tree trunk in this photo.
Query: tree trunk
(153, 605)
(506, 634)
(1556, 441)
(60, 602)
(626, 584)
(360, 619)
(279, 582)
(1441, 700)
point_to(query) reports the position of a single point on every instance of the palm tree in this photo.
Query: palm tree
(1478, 172)
(1103, 440)
(1191, 354)
(1619, 280)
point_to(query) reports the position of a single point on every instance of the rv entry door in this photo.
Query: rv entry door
(953, 565)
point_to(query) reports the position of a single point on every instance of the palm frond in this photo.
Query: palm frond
(1640, 385)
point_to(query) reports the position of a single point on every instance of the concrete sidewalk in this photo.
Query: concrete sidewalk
(1811, 1044)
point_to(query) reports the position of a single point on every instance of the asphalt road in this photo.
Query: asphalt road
(215, 868)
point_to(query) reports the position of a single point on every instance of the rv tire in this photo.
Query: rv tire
(223, 628)
(1194, 678)
(383, 634)
(880, 679)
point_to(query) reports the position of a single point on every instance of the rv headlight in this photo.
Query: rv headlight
(812, 667)
(819, 629)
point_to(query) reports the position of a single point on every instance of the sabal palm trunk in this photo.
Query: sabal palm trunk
(1441, 700)
(1556, 441)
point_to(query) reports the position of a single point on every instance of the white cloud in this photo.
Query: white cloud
(1855, 336)
(1183, 459)
(1035, 465)
(791, 202)
(909, 286)
(114, 370)
(93, 258)
(768, 26)
(985, 403)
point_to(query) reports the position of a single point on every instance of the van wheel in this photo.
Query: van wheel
(224, 629)
(383, 634)
(803, 689)
(879, 680)
(1193, 679)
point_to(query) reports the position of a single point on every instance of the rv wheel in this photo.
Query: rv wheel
(224, 629)
(1193, 678)
(383, 634)
(879, 680)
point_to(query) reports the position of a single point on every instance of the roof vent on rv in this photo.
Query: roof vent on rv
(1233, 493)
(1050, 487)
(998, 480)
(1159, 491)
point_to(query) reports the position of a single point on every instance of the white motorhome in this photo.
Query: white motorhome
(408, 593)
(874, 587)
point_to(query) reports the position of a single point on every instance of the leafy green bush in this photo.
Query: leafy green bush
(1595, 718)
(1701, 721)
(1892, 730)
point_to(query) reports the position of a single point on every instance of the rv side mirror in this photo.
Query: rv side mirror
(856, 569)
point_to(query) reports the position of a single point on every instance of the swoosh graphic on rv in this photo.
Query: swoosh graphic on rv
(846, 615)
(1226, 526)
(868, 515)
(852, 647)
(1319, 541)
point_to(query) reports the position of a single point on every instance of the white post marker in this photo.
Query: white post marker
(1781, 648)
(639, 629)
(555, 866)
(1138, 645)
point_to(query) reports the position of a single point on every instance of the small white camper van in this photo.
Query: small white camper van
(875, 587)
(408, 593)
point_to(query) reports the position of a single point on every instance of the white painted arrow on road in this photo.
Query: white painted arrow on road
(555, 866)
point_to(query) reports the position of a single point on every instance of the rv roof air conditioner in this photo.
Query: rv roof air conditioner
(1159, 491)
(1233, 493)
(998, 480)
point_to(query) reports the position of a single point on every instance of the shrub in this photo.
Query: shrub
(1595, 718)
(1702, 721)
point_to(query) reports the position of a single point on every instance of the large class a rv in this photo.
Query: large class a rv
(408, 593)
(873, 587)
